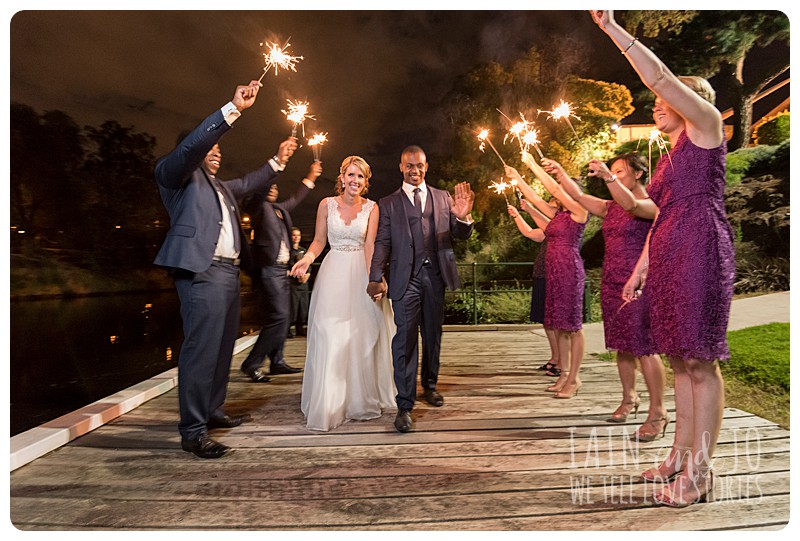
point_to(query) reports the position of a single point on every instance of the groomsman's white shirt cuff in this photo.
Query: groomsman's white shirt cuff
(231, 113)
(309, 184)
(467, 221)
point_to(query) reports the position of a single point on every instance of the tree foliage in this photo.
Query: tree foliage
(531, 85)
(87, 192)
(718, 43)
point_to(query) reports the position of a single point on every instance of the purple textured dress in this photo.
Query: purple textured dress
(692, 265)
(626, 326)
(565, 276)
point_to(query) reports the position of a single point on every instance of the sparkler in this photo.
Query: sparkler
(524, 133)
(316, 142)
(278, 57)
(297, 115)
(500, 188)
(655, 137)
(483, 137)
(563, 110)
(513, 183)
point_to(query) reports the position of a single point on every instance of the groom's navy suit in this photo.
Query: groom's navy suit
(421, 264)
(208, 289)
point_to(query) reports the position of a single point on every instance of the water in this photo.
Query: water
(68, 353)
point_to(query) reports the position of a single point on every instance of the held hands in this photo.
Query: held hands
(463, 200)
(376, 290)
(286, 149)
(300, 269)
(245, 95)
(314, 171)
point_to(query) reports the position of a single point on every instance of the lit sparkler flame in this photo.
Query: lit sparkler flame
(483, 137)
(524, 133)
(297, 114)
(278, 57)
(500, 188)
(316, 142)
(563, 110)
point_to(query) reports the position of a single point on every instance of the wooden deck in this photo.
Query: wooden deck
(502, 454)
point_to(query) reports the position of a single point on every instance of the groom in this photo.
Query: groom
(414, 233)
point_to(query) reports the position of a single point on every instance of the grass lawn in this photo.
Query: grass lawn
(757, 375)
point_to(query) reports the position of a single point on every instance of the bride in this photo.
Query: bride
(348, 372)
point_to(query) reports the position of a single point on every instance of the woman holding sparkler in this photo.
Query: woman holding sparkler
(565, 275)
(688, 261)
(539, 289)
(348, 372)
(626, 221)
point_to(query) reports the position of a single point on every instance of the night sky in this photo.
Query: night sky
(374, 79)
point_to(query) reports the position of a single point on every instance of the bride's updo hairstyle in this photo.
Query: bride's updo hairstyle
(363, 166)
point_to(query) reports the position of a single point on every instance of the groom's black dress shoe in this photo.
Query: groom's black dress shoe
(227, 421)
(256, 375)
(403, 422)
(433, 398)
(205, 447)
(283, 368)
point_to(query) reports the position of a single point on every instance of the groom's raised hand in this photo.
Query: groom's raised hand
(462, 201)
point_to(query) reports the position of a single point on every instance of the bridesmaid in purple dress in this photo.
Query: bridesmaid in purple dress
(691, 264)
(626, 223)
(564, 280)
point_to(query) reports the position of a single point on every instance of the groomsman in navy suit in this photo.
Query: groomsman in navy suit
(203, 250)
(272, 245)
(415, 228)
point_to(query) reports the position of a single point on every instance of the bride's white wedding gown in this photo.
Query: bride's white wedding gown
(348, 372)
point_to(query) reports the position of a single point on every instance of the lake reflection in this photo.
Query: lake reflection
(67, 353)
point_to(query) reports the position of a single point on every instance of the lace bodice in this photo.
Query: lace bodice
(347, 237)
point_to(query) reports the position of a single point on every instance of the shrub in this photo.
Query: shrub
(740, 161)
(772, 131)
(762, 274)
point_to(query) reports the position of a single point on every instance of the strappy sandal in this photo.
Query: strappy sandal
(549, 365)
(621, 414)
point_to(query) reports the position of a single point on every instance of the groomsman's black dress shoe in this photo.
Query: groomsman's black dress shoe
(205, 447)
(256, 375)
(282, 368)
(227, 421)
(403, 422)
(433, 398)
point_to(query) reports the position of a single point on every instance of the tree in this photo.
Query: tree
(124, 203)
(718, 43)
(536, 81)
(46, 153)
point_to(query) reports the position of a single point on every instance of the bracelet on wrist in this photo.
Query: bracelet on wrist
(609, 180)
(311, 254)
(634, 40)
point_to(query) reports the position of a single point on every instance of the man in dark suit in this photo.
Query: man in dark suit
(416, 225)
(272, 226)
(203, 250)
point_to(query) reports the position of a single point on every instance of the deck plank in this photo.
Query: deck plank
(500, 455)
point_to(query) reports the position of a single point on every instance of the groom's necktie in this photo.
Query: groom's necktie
(416, 232)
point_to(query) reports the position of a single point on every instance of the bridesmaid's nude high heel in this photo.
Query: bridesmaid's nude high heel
(703, 483)
(652, 430)
(672, 466)
(566, 392)
(621, 414)
(559, 384)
